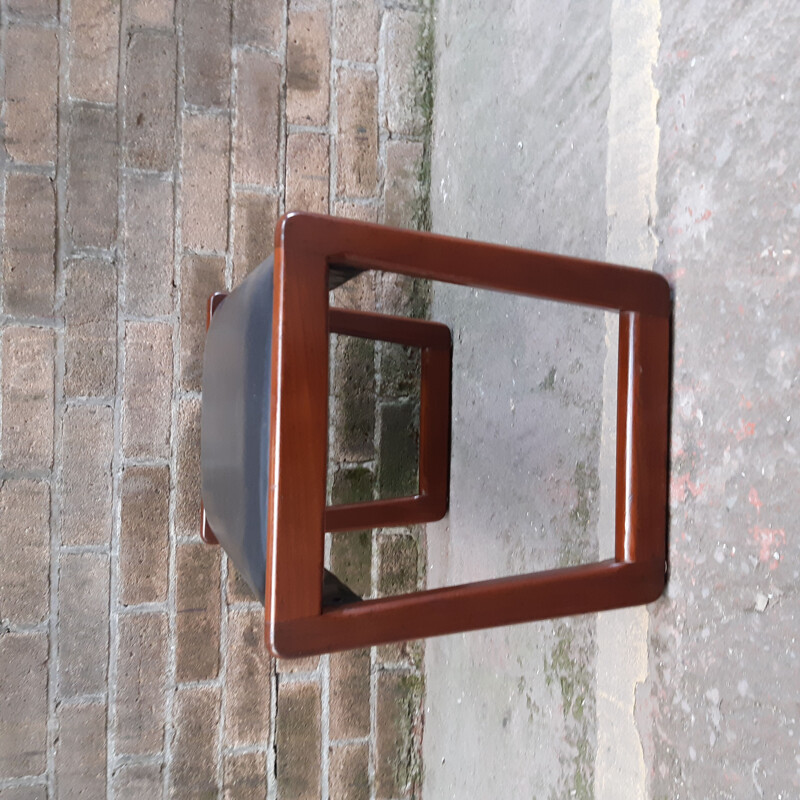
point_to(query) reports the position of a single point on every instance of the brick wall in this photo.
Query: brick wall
(148, 149)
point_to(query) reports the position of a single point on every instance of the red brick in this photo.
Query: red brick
(238, 590)
(150, 100)
(207, 52)
(148, 246)
(298, 741)
(308, 56)
(349, 772)
(146, 390)
(402, 187)
(201, 276)
(187, 482)
(83, 591)
(34, 9)
(398, 559)
(246, 777)
(81, 752)
(349, 694)
(247, 686)
(25, 567)
(87, 442)
(144, 537)
(359, 211)
(23, 705)
(398, 742)
(90, 314)
(151, 14)
(31, 93)
(92, 186)
(141, 684)
(28, 398)
(29, 261)
(194, 763)
(258, 22)
(205, 183)
(254, 231)
(307, 172)
(357, 141)
(137, 782)
(94, 50)
(402, 33)
(198, 610)
(357, 25)
(258, 86)
(293, 666)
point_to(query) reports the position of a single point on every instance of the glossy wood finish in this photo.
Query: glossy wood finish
(305, 247)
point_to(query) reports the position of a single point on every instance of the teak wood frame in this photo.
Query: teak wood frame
(306, 246)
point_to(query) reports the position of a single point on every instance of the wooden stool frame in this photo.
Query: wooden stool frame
(306, 246)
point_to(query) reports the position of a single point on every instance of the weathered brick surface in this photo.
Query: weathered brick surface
(349, 694)
(399, 449)
(197, 605)
(37, 792)
(258, 22)
(83, 591)
(238, 589)
(357, 24)
(400, 371)
(187, 480)
(92, 186)
(359, 211)
(358, 292)
(30, 241)
(94, 31)
(25, 565)
(351, 551)
(247, 686)
(398, 558)
(246, 777)
(28, 398)
(194, 766)
(150, 98)
(34, 9)
(254, 232)
(397, 761)
(258, 86)
(307, 172)
(357, 139)
(308, 64)
(23, 704)
(31, 85)
(138, 782)
(298, 741)
(205, 183)
(349, 772)
(141, 683)
(144, 535)
(201, 276)
(146, 390)
(403, 163)
(402, 33)
(354, 399)
(87, 442)
(90, 314)
(293, 666)
(148, 243)
(81, 752)
(207, 56)
(151, 13)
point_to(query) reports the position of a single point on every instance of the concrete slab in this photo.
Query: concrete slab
(518, 158)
